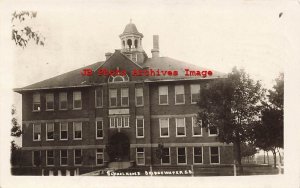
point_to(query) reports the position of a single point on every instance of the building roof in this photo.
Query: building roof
(131, 29)
(75, 79)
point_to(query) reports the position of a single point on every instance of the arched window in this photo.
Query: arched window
(118, 78)
(129, 43)
(136, 43)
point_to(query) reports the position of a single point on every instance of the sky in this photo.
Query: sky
(214, 34)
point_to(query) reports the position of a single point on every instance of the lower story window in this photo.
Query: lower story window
(166, 156)
(198, 155)
(140, 156)
(63, 157)
(100, 157)
(36, 161)
(50, 157)
(77, 157)
(214, 155)
(181, 156)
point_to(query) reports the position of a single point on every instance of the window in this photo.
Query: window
(112, 97)
(197, 128)
(195, 93)
(63, 101)
(77, 104)
(140, 156)
(119, 121)
(36, 160)
(179, 94)
(50, 131)
(163, 95)
(36, 132)
(77, 157)
(124, 97)
(140, 127)
(99, 157)
(99, 129)
(180, 127)
(63, 157)
(166, 157)
(77, 130)
(139, 97)
(49, 101)
(181, 156)
(212, 131)
(99, 97)
(64, 131)
(164, 127)
(36, 102)
(214, 155)
(197, 155)
(50, 157)
(134, 57)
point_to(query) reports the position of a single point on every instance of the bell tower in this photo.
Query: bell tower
(131, 44)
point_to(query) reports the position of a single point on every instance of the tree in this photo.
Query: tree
(248, 150)
(268, 134)
(22, 31)
(15, 132)
(231, 105)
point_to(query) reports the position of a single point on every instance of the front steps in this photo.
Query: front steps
(120, 165)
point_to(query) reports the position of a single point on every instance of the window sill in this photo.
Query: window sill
(63, 109)
(212, 135)
(98, 106)
(197, 135)
(77, 109)
(139, 105)
(49, 139)
(63, 139)
(164, 136)
(49, 110)
(35, 110)
(180, 136)
(163, 104)
(77, 138)
(181, 163)
(140, 137)
(179, 103)
(99, 138)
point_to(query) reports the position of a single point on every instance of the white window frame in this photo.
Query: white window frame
(109, 95)
(161, 161)
(136, 125)
(33, 125)
(74, 131)
(136, 104)
(194, 93)
(176, 120)
(178, 103)
(32, 157)
(99, 129)
(74, 100)
(212, 135)
(33, 103)
(60, 100)
(47, 95)
(194, 155)
(124, 88)
(219, 155)
(184, 155)
(60, 130)
(48, 157)
(75, 157)
(96, 105)
(160, 128)
(136, 152)
(110, 122)
(160, 95)
(60, 158)
(123, 121)
(47, 139)
(195, 123)
(101, 153)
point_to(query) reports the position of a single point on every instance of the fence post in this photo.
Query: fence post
(234, 168)
(192, 168)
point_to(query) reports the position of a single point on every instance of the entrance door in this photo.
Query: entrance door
(119, 147)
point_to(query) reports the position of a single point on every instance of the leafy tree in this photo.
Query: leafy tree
(248, 150)
(268, 134)
(15, 132)
(22, 31)
(232, 106)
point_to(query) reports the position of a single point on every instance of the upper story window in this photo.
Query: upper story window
(77, 130)
(197, 128)
(212, 131)
(195, 93)
(50, 131)
(124, 97)
(164, 127)
(112, 97)
(63, 101)
(36, 105)
(180, 127)
(99, 97)
(36, 132)
(140, 127)
(179, 94)
(163, 95)
(118, 78)
(139, 96)
(49, 101)
(99, 129)
(119, 121)
(64, 131)
(77, 103)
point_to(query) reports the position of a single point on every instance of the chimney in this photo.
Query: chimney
(107, 55)
(155, 50)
